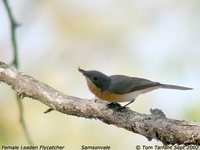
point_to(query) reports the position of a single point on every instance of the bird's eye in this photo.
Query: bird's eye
(94, 78)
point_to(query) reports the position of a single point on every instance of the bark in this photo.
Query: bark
(153, 126)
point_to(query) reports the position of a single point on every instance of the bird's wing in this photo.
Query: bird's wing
(123, 84)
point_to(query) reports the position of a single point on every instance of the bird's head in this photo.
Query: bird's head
(99, 79)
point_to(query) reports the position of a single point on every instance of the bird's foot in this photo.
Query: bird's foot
(116, 106)
(113, 105)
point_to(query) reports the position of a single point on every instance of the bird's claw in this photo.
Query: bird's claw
(116, 106)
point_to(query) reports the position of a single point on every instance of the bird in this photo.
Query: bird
(121, 88)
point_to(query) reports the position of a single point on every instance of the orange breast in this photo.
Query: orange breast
(106, 95)
(112, 97)
(93, 88)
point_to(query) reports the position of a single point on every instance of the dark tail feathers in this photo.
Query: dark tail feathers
(176, 87)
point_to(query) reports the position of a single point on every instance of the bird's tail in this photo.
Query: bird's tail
(176, 87)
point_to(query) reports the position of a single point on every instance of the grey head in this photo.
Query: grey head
(101, 80)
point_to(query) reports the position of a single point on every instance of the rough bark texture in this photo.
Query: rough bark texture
(153, 126)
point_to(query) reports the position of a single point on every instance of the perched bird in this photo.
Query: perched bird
(121, 88)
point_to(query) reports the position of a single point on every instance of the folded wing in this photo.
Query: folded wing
(121, 84)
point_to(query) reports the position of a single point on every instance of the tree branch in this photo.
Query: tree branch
(153, 126)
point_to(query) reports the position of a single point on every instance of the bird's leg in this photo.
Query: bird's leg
(48, 110)
(128, 103)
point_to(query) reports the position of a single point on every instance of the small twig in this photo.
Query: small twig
(13, 25)
(15, 63)
(21, 119)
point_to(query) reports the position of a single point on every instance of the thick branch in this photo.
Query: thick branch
(153, 126)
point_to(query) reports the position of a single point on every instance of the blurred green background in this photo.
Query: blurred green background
(158, 40)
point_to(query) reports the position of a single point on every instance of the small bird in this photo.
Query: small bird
(121, 88)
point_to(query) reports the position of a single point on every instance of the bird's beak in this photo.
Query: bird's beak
(82, 71)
